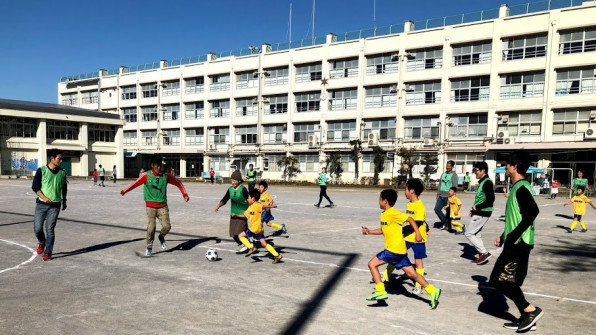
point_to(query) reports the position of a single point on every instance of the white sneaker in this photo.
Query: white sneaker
(243, 249)
(417, 290)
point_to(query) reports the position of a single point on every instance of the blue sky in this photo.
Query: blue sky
(43, 40)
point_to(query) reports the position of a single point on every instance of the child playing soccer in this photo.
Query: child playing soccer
(255, 227)
(554, 189)
(95, 174)
(155, 195)
(267, 200)
(454, 205)
(416, 210)
(579, 202)
(395, 248)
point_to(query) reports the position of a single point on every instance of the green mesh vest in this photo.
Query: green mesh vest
(252, 175)
(513, 216)
(51, 184)
(446, 182)
(481, 196)
(239, 204)
(577, 182)
(155, 189)
(323, 179)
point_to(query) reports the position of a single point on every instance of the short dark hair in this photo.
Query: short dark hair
(453, 188)
(54, 153)
(451, 162)
(581, 187)
(481, 166)
(264, 183)
(389, 195)
(155, 159)
(416, 185)
(254, 193)
(250, 164)
(519, 159)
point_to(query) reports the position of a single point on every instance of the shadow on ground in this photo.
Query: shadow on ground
(468, 251)
(493, 303)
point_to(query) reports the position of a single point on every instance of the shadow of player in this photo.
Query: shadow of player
(565, 216)
(468, 251)
(402, 285)
(190, 244)
(493, 303)
(93, 248)
(562, 227)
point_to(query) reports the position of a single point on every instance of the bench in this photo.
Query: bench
(207, 177)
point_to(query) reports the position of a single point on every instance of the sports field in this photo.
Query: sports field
(100, 282)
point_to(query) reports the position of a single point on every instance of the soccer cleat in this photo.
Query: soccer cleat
(40, 247)
(483, 259)
(376, 295)
(583, 231)
(162, 240)
(317, 205)
(148, 252)
(283, 228)
(529, 319)
(47, 256)
(331, 204)
(434, 298)
(569, 230)
(459, 232)
(277, 258)
(251, 251)
(417, 290)
(242, 249)
(515, 324)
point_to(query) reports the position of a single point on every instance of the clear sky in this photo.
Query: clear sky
(41, 40)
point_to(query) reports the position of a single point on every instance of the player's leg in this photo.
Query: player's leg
(573, 224)
(388, 271)
(151, 217)
(51, 219)
(277, 256)
(373, 265)
(432, 291)
(163, 214)
(41, 211)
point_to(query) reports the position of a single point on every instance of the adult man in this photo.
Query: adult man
(579, 181)
(102, 176)
(448, 180)
(49, 184)
(251, 177)
(481, 211)
(517, 240)
(466, 184)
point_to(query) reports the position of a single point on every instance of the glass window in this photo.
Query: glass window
(576, 81)
(70, 99)
(521, 124)
(302, 131)
(194, 110)
(194, 136)
(220, 82)
(246, 106)
(130, 138)
(583, 40)
(171, 112)
(344, 68)
(308, 162)
(278, 104)
(18, 127)
(421, 128)
(130, 114)
(343, 99)
(129, 92)
(423, 93)
(89, 97)
(474, 53)
(246, 135)
(247, 79)
(220, 108)
(195, 85)
(149, 90)
(470, 89)
(275, 133)
(170, 88)
(383, 63)
(308, 102)
(149, 113)
(571, 121)
(431, 58)
(219, 135)
(341, 131)
(468, 126)
(149, 137)
(381, 96)
(308, 72)
(62, 130)
(522, 47)
(171, 137)
(522, 85)
(384, 128)
(276, 76)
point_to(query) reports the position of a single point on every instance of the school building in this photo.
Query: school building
(467, 88)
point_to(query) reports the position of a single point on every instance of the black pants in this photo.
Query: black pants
(251, 186)
(323, 193)
(509, 273)
(212, 179)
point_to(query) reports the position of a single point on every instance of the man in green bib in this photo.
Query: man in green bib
(466, 184)
(579, 181)
(238, 194)
(251, 177)
(517, 240)
(448, 179)
(49, 184)
(481, 211)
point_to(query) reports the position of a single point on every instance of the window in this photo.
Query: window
(344, 68)
(574, 81)
(431, 58)
(308, 72)
(530, 46)
(129, 92)
(130, 114)
(301, 131)
(70, 99)
(347, 164)
(308, 102)
(277, 76)
(149, 137)
(220, 163)
(246, 135)
(18, 127)
(384, 128)
(245, 107)
(246, 80)
(368, 164)
(275, 134)
(171, 112)
(195, 85)
(220, 82)
(62, 130)
(341, 131)
(149, 113)
(194, 110)
(220, 108)
(171, 137)
(101, 133)
(219, 135)
(308, 162)
(195, 136)
(278, 104)
(343, 99)
(474, 53)
(383, 63)
(270, 163)
(583, 40)
(522, 85)
(470, 89)
(521, 124)
(571, 121)
(421, 128)
(380, 96)
(465, 126)
(149, 90)
(130, 138)
(89, 97)
(424, 93)
(170, 88)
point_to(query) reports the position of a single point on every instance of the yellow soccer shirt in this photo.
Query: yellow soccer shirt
(253, 214)
(391, 222)
(265, 199)
(579, 204)
(416, 211)
(454, 204)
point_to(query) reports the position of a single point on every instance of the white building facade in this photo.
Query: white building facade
(465, 92)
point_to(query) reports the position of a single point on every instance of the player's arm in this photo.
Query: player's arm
(223, 200)
(64, 191)
(174, 181)
(415, 227)
(567, 203)
(140, 181)
(366, 231)
(458, 209)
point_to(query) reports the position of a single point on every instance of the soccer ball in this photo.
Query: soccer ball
(211, 255)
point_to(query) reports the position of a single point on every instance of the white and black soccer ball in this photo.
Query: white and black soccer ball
(211, 255)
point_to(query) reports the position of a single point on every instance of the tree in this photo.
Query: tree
(356, 148)
(379, 162)
(406, 161)
(289, 164)
(333, 164)
(429, 161)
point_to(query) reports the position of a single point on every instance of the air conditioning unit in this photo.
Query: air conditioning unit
(504, 119)
(408, 88)
(590, 134)
(509, 140)
(313, 141)
(265, 100)
(429, 142)
(212, 147)
(409, 55)
(393, 89)
(395, 57)
(373, 139)
(503, 138)
(502, 134)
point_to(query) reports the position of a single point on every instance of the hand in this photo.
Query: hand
(122, 192)
(216, 209)
(64, 205)
(470, 214)
(46, 200)
(428, 232)
(186, 198)
(498, 242)
(365, 231)
(473, 208)
(418, 237)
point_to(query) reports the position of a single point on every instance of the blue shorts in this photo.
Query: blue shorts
(577, 217)
(253, 235)
(266, 216)
(418, 248)
(399, 260)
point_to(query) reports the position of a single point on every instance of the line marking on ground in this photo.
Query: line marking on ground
(34, 254)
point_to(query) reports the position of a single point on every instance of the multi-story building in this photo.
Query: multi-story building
(467, 92)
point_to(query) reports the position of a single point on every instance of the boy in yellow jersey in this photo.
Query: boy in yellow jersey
(255, 227)
(395, 248)
(416, 210)
(267, 200)
(454, 205)
(579, 202)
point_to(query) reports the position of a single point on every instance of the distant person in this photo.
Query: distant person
(114, 174)
(554, 188)
(95, 174)
(212, 175)
(447, 181)
(251, 177)
(579, 181)
(579, 202)
(454, 205)
(466, 184)
(141, 171)
(322, 180)
(102, 176)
